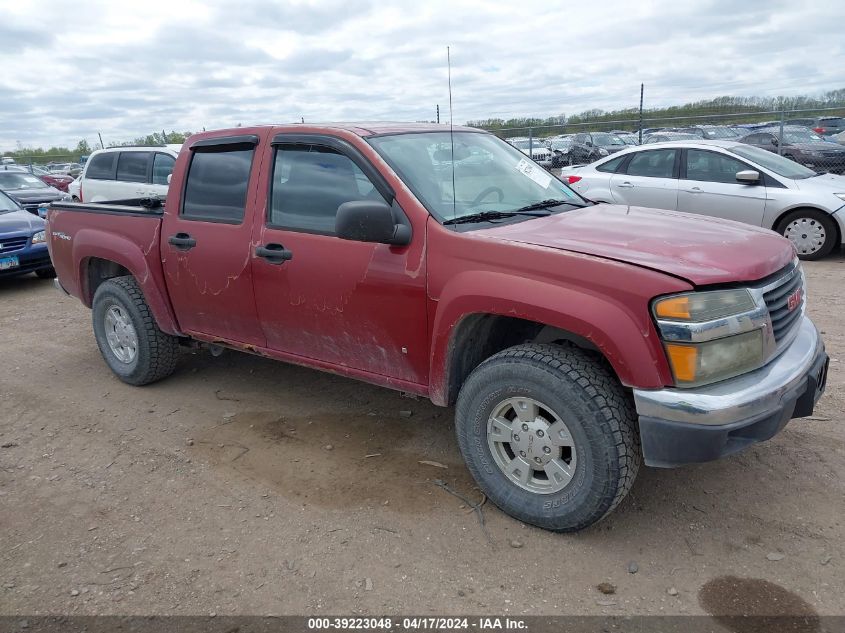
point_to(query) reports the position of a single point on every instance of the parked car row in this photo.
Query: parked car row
(725, 179)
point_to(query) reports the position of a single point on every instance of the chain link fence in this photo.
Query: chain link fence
(814, 138)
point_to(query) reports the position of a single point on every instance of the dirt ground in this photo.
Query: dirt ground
(245, 486)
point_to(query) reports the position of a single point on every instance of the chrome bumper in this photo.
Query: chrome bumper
(751, 395)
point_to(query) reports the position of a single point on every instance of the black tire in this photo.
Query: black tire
(157, 352)
(597, 411)
(46, 273)
(828, 225)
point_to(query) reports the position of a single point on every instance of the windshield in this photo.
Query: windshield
(778, 164)
(507, 182)
(603, 140)
(719, 132)
(7, 205)
(10, 181)
(800, 136)
(535, 144)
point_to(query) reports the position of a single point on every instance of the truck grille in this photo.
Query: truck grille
(9, 244)
(777, 299)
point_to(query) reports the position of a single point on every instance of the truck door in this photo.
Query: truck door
(205, 242)
(354, 304)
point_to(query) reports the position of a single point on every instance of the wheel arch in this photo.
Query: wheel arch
(799, 207)
(464, 333)
(104, 256)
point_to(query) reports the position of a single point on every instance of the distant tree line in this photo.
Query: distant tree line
(40, 155)
(719, 106)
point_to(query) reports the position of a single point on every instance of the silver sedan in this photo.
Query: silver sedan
(724, 179)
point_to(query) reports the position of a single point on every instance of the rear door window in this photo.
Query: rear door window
(658, 163)
(611, 165)
(132, 166)
(216, 186)
(101, 166)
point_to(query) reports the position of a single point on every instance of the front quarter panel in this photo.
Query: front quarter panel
(603, 301)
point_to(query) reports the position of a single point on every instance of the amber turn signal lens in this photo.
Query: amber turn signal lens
(684, 361)
(673, 308)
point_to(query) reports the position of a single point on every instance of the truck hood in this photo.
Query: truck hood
(701, 250)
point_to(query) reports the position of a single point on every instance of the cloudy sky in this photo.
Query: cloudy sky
(127, 68)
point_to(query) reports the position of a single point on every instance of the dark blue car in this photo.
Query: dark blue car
(23, 244)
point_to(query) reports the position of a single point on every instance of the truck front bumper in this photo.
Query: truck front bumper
(682, 426)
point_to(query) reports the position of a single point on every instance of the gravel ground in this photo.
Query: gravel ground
(244, 486)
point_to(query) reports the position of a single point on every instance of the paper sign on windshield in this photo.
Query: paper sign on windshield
(534, 172)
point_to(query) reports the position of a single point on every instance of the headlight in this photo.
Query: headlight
(841, 196)
(711, 336)
(703, 363)
(39, 238)
(704, 306)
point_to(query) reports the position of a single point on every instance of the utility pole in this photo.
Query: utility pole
(641, 113)
(438, 113)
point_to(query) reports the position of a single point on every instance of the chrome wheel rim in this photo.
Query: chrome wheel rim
(808, 235)
(120, 334)
(531, 445)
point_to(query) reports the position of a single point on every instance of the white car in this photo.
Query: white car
(74, 189)
(127, 173)
(535, 149)
(724, 179)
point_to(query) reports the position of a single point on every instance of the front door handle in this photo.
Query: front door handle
(274, 253)
(625, 185)
(182, 241)
(695, 190)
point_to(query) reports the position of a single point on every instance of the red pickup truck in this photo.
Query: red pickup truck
(576, 340)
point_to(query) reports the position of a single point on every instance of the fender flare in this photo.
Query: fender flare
(89, 243)
(627, 340)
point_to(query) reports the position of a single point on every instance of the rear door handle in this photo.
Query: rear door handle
(182, 241)
(274, 253)
(625, 185)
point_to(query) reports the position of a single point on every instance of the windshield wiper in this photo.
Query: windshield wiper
(485, 216)
(545, 204)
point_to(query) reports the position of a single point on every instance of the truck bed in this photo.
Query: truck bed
(79, 233)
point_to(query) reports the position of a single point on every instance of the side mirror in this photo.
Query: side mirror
(370, 221)
(169, 176)
(588, 143)
(748, 177)
(774, 141)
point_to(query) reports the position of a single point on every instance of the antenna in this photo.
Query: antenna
(451, 133)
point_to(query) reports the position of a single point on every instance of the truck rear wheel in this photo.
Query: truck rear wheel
(131, 343)
(549, 435)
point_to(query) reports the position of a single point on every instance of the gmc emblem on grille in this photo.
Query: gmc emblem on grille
(794, 300)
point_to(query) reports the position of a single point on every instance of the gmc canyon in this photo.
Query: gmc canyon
(576, 340)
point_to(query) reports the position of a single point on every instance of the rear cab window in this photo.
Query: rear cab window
(217, 182)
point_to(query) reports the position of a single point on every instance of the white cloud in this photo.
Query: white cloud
(71, 70)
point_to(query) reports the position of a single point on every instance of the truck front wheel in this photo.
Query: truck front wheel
(131, 343)
(549, 435)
